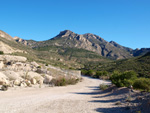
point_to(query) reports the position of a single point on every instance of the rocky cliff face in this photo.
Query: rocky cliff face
(20, 40)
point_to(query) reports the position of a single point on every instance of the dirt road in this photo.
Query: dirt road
(84, 97)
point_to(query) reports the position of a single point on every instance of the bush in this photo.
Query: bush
(88, 72)
(38, 66)
(103, 86)
(142, 84)
(123, 79)
(1, 52)
(63, 81)
(83, 72)
(46, 64)
(101, 74)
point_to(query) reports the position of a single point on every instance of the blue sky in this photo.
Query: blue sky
(126, 22)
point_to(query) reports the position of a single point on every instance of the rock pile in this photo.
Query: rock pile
(16, 71)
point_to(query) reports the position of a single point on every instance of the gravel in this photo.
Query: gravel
(84, 97)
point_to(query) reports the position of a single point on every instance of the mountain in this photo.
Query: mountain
(9, 46)
(20, 47)
(88, 41)
(68, 49)
(140, 52)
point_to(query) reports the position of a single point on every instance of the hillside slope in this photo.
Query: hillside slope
(140, 65)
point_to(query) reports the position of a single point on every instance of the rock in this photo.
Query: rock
(23, 84)
(2, 75)
(22, 41)
(36, 76)
(17, 82)
(11, 58)
(33, 81)
(11, 84)
(1, 65)
(47, 79)
(12, 75)
(28, 83)
(35, 64)
(3, 79)
(39, 79)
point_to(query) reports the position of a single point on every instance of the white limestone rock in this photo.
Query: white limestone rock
(47, 79)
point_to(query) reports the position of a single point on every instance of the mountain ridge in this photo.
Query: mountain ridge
(87, 41)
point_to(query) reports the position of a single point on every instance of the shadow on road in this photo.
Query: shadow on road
(113, 110)
(98, 94)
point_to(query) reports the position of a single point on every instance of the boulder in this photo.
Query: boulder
(17, 82)
(35, 64)
(11, 58)
(47, 79)
(28, 82)
(12, 75)
(36, 76)
(2, 75)
(33, 81)
(3, 79)
(23, 84)
(1, 64)
(39, 79)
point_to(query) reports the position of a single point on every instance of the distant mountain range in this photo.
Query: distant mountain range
(90, 42)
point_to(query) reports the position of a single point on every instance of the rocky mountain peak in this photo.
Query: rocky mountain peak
(114, 43)
(65, 33)
(20, 40)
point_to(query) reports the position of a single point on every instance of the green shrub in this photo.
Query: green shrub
(83, 72)
(63, 81)
(88, 72)
(1, 52)
(142, 84)
(103, 86)
(123, 79)
(38, 66)
(100, 74)
(46, 64)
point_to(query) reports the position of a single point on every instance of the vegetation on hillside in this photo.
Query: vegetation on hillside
(127, 72)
